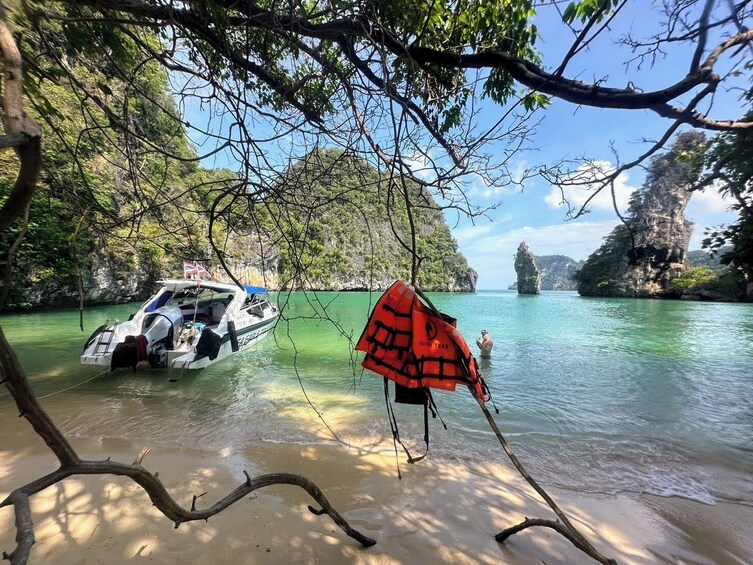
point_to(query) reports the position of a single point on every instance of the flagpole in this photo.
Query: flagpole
(194, 265)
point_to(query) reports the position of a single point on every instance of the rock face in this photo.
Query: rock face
(341, 251)
(105, 281)
(327, 247)
(529, 281)
(556, 272)
(642, 256)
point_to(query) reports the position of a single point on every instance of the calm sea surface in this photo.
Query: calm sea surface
(596, 395)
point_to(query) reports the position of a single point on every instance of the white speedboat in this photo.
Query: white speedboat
(187, 324)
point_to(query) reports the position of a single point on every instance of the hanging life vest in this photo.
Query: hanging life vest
(408, 343)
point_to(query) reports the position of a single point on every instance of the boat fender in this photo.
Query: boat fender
(125, 354)
(142, 345)
(233, 336)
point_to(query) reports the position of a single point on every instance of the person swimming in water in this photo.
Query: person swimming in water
(485, 344)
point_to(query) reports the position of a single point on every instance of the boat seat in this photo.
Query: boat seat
(256, 310)
(218, 310)
(202, 315)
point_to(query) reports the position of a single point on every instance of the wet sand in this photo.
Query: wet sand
(440, 512)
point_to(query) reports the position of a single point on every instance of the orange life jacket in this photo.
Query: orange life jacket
(406, 342)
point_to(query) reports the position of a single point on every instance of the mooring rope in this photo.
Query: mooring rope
(68, 388)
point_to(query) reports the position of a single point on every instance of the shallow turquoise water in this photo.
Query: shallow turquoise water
(596, 395)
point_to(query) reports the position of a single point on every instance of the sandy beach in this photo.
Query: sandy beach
(440, 512)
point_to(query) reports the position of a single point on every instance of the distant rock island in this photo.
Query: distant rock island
(528, 274)
(701, 258)
(555, 272)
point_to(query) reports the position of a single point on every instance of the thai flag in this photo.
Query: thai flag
(195, 271)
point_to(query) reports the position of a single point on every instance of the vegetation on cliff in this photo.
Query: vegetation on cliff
(122, 199)
(120, 193)
(730, 170)
(707, 278)
(340, 229)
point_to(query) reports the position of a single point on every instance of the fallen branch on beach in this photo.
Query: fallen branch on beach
(556, 526)
(71, 464)
(565, 527)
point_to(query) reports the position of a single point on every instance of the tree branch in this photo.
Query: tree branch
(24, 529)
(523, 71)
(573, 534)
(18, 386)
(17, 123)
(502, 536)
(13, 140)
(11, 258)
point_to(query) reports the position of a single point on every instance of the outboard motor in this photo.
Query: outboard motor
(162, 330)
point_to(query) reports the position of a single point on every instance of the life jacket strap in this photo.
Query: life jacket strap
(433, 408)
(393, 425)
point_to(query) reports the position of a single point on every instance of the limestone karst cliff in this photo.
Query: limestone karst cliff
(642, 256)
(556, 271)
(529, 281)
(337, 233)
(350, 229)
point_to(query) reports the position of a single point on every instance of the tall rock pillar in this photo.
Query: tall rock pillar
(529, 281)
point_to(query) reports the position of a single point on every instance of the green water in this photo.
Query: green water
(596, 395)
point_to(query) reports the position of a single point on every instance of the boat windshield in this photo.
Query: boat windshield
(205, 305)
(190, 295)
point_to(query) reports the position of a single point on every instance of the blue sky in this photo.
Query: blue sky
(534, 214)
(568, 132)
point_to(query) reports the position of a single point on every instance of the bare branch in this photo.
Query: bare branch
(11, 258)
(502, 536)
(17, 384)
(13, 140)
(525, 72)
(142, 454)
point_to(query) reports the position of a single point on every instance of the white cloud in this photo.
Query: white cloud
(708, 209)
(587, 177)
(708, 201)
(492, 255)
(469, 234)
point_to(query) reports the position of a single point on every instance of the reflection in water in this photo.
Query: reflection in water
(596, 395)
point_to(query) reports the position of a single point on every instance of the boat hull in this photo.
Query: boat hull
(244, 338)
